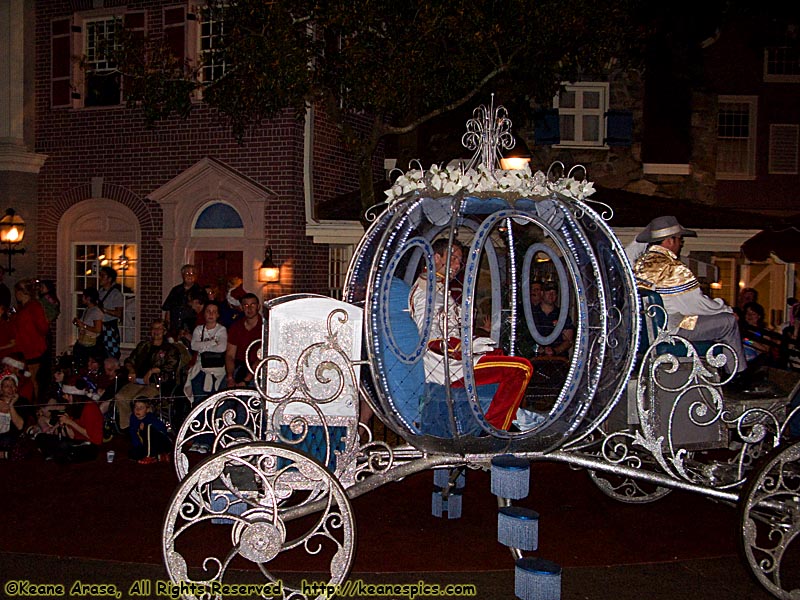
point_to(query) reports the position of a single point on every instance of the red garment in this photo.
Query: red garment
(91, 420)
(30, 330)
(6, 336)
(239, 336)
(24, 386)
(512, 373)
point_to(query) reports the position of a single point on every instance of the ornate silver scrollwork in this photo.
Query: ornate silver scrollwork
(680, 408)
(252, 490)
(770, 523)
(311, 405)
(488, 131)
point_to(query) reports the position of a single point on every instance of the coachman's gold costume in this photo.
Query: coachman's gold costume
(690, 313)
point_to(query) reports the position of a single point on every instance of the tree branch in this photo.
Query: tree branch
(392, 130)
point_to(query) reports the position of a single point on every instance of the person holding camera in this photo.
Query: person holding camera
(90, 327)
(79, 432)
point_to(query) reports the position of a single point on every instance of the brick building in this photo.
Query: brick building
(97, 186)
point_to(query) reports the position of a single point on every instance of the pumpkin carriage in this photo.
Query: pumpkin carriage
(643, 411)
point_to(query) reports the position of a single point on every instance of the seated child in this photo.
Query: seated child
(150, 441)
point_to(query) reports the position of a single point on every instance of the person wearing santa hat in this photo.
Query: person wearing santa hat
(15, 365)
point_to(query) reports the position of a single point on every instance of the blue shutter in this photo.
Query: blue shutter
(619, 128)
(546, 130)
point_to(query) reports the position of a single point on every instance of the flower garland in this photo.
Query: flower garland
(452, 179)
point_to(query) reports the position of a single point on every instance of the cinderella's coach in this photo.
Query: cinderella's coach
(438, 296)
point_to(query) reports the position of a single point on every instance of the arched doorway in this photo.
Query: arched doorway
(91, 234)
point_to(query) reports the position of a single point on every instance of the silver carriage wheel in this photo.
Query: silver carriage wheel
(260, 514)
(769, 513)
(223, 419)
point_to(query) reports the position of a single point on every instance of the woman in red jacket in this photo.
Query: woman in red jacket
(30, 329)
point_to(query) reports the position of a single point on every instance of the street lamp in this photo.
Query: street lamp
(12, 230)
(269, 272)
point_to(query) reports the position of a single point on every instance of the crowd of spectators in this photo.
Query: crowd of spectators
(64, 409)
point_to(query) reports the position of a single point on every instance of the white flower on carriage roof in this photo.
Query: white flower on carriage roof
(451, 179)
(510, 179)
(435, 175)
(451, 187)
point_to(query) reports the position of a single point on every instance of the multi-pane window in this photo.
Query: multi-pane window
(782, 64)
(101, 38)
(581, 113)
(88, 258)
(338, 261)
(212, 56)
(736, 124)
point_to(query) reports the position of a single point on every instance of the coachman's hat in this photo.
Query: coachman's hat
(662, 228)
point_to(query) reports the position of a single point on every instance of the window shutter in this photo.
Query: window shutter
(134, 23)
(60, 62)
(783, 149)
(619, 128)
(175, 30)
(546, 131)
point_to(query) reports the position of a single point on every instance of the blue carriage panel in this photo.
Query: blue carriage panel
(422, 404)
(654, 321)
(315, 443)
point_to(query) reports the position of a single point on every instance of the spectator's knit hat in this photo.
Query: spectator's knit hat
(662, 228)
(73, 391)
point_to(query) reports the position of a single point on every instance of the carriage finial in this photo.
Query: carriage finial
(488, 131)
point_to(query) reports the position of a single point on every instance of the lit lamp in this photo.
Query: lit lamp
(269, 272)
(12, 230)
(517, 158)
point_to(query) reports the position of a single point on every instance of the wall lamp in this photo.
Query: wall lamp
(12, 230)
(269, 272)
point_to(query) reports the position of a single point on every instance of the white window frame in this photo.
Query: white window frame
(80, 37)
(201, 13)
(339, 256)
(780, 55)
(784, 140)
(81, 43)
(578, 112)
(89, 277)
(750, 150)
